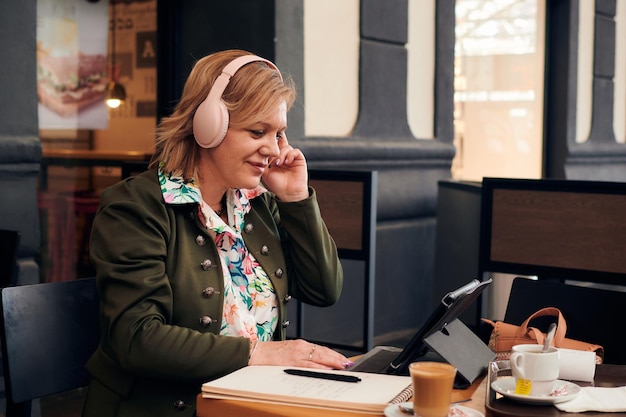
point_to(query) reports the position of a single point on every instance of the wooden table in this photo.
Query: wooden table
(498, 406)
(477, 396)
(472, 397)
(127, 160)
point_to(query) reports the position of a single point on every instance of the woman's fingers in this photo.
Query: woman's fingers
(323, 357)
(298, 353)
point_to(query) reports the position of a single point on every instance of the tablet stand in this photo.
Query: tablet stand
(456, 344)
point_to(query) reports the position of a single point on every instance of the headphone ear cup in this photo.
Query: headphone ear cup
(210, 122)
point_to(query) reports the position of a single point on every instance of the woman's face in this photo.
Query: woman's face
(245, 153)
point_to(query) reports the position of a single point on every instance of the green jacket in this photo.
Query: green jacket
(161, 289)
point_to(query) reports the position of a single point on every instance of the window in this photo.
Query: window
(498, 100)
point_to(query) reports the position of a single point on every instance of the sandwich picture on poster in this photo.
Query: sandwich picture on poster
(72, 64)
(68, 84)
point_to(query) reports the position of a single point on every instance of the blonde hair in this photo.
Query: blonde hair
(254, 91)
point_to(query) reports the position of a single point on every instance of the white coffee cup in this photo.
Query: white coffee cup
(535, 371)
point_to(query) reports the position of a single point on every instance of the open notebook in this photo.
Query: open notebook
(442, 337)
(277, 385)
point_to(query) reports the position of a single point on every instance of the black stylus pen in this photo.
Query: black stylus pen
(323, 375)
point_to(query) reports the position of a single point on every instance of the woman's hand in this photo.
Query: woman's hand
(287, 175)
(298, 353)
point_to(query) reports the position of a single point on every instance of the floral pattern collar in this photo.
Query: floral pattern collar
(177, 190)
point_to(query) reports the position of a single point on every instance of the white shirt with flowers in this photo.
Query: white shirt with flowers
(250, 302)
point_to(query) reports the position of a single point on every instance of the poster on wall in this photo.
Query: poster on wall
(135, 24)
(135, 54)
(72, 64)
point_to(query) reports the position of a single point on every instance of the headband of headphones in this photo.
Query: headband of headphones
(210, 122)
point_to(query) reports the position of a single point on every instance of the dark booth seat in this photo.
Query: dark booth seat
(9, 245)
(49, 331)
(592, 315)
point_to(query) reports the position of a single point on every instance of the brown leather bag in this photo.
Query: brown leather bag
(504, 335)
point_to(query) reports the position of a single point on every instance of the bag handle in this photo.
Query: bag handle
(561, 328)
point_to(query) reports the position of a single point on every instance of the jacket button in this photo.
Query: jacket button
(179, 405)
(200, 240)
(208, 292)
(206, 321)
(285, 323)
(206, 264)
(265, 250)
(248, 228)
(279, 273)
(287, 299)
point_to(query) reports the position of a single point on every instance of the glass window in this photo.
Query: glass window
(87, 146)
(498, 100)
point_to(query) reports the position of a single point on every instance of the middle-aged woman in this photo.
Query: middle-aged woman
(197, 257)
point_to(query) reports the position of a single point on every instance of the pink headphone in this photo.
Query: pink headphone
(210, 122)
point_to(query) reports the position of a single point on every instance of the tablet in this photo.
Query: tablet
(393, 360)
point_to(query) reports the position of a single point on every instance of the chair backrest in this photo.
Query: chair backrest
(592, 314)
(9, 244)
(48, 333)
(347, 201)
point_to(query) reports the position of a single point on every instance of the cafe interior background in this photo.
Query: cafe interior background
(117, 39)
(73, 27)
(498, 94)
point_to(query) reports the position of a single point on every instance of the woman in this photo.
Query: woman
(197, 257)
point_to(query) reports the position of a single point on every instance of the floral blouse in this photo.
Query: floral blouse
(250, 303)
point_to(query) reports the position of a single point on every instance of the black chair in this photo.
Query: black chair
(48, 333)
(9, 244)
(347, 201)
(593, 315)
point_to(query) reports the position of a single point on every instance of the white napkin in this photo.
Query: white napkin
(608, 399)
(576, 365)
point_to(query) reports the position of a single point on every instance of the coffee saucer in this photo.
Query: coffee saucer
(396, 410)
(563, 391)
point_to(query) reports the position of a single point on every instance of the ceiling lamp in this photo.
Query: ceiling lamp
(115, 92)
